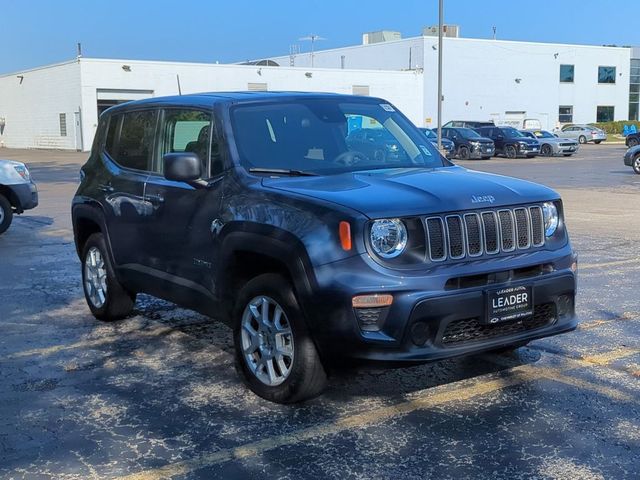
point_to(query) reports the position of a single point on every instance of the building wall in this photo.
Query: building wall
(31, 109)
(479, 77)
(404, 89)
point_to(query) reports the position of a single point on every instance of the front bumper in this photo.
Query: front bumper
(482, 151)
(528, 151)
(25, 196)
(428, 319)
(564, 149)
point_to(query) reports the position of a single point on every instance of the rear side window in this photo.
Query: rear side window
(130, 139)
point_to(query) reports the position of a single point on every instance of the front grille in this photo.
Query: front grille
(457, 236)
(567, 144)
(471, 330)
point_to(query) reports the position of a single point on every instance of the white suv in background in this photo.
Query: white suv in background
(18, 192)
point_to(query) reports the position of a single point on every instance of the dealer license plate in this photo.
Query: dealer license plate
(510, 303)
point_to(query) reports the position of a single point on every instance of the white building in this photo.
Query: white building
(505, 81)
(57, 106)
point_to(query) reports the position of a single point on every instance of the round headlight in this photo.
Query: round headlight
(550, 213)
(388, 237)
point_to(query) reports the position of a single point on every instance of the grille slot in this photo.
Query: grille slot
(537, 226)
(435, 232)
(471, 330)
(455, 233)
(474, 234)
(507, 230)
(522, 227)
(491, 237)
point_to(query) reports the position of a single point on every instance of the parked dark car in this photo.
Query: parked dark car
(252, 208)
(469, 144)
(632, 140)
(510, 142)
(468, 124)
(632, 158)
(376, 143)
(448, 146)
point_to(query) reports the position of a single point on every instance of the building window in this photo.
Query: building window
(565, 114)
(63, 124)
(606, 74)
(360, 90)
(566, 73)
(634, 89)
(604, 114)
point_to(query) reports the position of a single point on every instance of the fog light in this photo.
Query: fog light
(419, 333)
(565, 306)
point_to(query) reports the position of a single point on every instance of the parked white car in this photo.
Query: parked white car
(18, 192)
(582, 133)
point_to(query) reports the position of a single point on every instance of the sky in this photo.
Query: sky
(39, 32)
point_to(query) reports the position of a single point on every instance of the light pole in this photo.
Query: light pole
(313, 39)
(440, 22)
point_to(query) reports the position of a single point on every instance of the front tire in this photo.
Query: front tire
(636, 164)
(582, 139)
(274, 351)
(107, 298)
(510, 151)
(6, 214)
(546, 150)
(463, 153)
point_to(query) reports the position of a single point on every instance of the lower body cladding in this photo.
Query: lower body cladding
(449, 312)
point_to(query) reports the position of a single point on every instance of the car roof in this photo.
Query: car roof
(208, 99)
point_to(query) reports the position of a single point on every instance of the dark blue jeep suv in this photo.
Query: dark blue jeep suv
(257, 209)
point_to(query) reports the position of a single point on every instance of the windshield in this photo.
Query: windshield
(543, 134)
(327, 136)
(468, 133)
(511, 132)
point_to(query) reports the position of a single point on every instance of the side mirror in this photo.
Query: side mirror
(182, 167)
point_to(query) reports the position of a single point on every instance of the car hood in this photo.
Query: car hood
(559, 140)
(405, 192)
(8, 173)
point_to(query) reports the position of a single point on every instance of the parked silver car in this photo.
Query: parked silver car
(582, 133)
(550, 145)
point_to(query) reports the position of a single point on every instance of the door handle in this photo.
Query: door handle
(156, 198)
(106, 187)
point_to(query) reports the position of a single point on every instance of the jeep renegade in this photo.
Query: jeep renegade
(261, 209)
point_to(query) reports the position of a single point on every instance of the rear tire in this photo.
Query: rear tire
(582, 139)
(274, 353)
(6, 214)
(546, 150)
(107, 298)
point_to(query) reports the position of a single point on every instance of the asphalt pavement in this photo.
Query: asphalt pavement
(156, 395)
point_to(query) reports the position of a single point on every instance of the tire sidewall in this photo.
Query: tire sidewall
(547, 150)
(103, 313)
(582, 140)
(5, 205)
(510, 151)
(280, 290)
(635, 164)
(463, 153)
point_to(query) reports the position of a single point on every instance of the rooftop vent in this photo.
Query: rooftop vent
(447, 31)
(380, 36)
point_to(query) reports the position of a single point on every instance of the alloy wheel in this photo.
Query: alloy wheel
(267, 340)
(95, 277)
(1, 214)
(636, 164)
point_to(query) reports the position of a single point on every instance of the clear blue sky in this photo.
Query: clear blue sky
(37, 32)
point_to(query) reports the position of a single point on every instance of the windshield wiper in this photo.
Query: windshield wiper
(283, 171)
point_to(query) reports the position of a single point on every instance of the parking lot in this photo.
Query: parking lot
(156, 395)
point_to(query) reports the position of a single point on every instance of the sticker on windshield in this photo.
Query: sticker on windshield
(387, 107)
(425, 150)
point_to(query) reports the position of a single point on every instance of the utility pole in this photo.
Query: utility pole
(440, 25)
